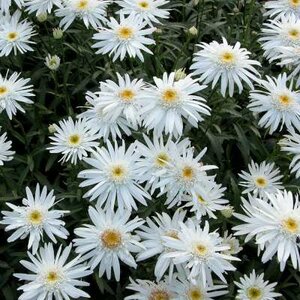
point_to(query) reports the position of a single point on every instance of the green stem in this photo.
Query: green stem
(200, 12)
(248, 22)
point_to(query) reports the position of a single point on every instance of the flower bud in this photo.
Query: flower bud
(158, 30)
(228, 211)
(193, 30)
(52, 62)
(57, 33)
(51, 128)
(42, 17)
(180, 74)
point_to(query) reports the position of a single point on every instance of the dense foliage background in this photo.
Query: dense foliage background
(230, 133)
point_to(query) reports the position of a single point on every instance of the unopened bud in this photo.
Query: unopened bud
(57, 33)
(52, 62)
(193, 30)
(51, 128)
(42, 17)
(180, 74)
(228, 211)
(158, 31)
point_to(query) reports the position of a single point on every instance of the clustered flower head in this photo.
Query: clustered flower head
(15, 34)
(34, 218)
(91, 12)
(13, 92)
(128, 36)
(154, 194)
(42, 7)
(229, 64)
(275, 226)
(5, 4)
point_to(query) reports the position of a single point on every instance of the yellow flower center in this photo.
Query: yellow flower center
(170, 96)
(261, 182)
(187, 173)
(82, 4)
(127, 95)
(254, 293)
(285, 100)
(74, 139)
(201, 250)
(295, 3)
(159, 295)
(118, 173)
(35, 217)
(227, 58)
(143, 4)
(162, 160)
(294, 34)
(52, 277)
(111, 239)
(3, 90)
(12, 36)
(200, 199)
(291, 225)
(125, 33)
(195, 294)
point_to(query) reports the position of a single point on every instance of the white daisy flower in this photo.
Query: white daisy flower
(91, 12)
(279, 8)
(124, 98)
(280, 33)
(170, 101)
(156, 155)
(233, 243)
(291, 144)
(254, 287)
(127, 37)
(200, 251)
(262, 179)
(149, 290)
(290, 58)
(114, 177)
(275, 225)
(229, 64)
(35, 218)
(42, 6)
(73, 139)
(106, 127)
(149, 10)
(185, 175)
(52, 62)
(52, 277)
(209, 199)
(5, 153)
(186, 290)
(278, 102)
(6, 4)
(15, 35)
(152, 235)
(14, 90)
(110, 239)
